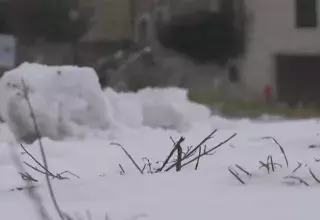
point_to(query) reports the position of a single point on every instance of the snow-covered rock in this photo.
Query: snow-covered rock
(62, 97)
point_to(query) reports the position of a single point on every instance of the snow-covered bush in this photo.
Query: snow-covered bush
(63, 99)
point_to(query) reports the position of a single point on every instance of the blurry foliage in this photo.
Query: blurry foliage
(4, 28)
(232, 107)
(49, 20)
(203, 36)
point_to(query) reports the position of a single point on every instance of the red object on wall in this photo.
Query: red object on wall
(267, 92)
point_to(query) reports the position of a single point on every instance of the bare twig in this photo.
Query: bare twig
(314, 176)
(144, 167)
(60, 177)
(174, 143)
(30, 188)
(297, 178)
(189, 148)
(179, 157)
(243, 170)
(122, 172)
(204, 153)
(197, 164)
(45, 164)
(265, 165)
(233, 170)
(149, 164)
(130, 157)
(27, 177)
(297, 168)
(270, 160)
(57, 176)
(236, 176)
(37, 162)
(205, 150)
(281, 149)
(171, 154)
(35, 168)
(194, 150)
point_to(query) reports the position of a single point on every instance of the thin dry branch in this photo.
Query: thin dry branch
(197, 164)
(64, 172)
(298, 167)
(122, 172)
(27, 177)
(35, 168)
(179, 157)
(314, 176)
(57, 176)
(189, 148)
(170, 155)
(129, 156)
(30, 188)
(194, 150)
(43, 155)
(270, 160)
(236, 176)
(281, 149)
(297, 178)
(46, 171)
(149, 164)
(208, 152)
(144, 167)
(265, 165)
(243, 170)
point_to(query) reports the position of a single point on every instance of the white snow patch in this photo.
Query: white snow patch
(205, 194)
(167, 108)
(63, 98)
(61, 103)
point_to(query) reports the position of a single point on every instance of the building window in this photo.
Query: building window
(306, 13)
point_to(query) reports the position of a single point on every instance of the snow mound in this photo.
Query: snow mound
(126, 108)
(68, 102)
(167, 108)
(63, 99)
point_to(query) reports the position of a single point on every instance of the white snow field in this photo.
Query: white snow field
(143, 123)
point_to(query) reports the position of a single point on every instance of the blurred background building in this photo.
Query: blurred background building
(119, 38)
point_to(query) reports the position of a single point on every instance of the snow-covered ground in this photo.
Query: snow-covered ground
(143, 123)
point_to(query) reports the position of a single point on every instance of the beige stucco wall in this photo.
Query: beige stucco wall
(273, 31)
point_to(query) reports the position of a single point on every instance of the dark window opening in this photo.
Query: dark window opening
(306, 13)
(233, 74)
